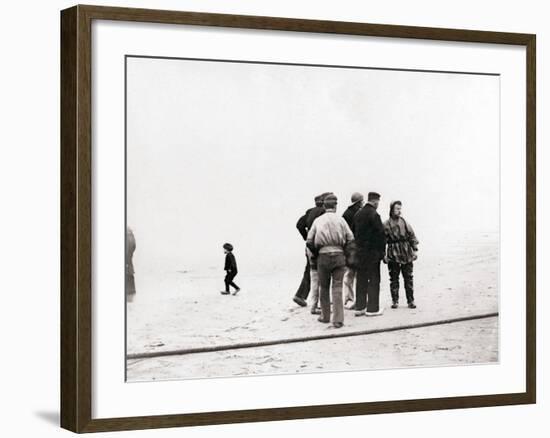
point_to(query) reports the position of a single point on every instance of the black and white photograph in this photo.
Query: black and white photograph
(276, 218)
(293, 218)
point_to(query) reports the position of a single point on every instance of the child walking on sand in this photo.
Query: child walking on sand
(230, 269)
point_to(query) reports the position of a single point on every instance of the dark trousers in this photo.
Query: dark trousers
(331, 267)
(367, 294)
(406, 270)
(229, 281)
(303, 289)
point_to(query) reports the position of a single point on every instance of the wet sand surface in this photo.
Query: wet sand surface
(182, 310)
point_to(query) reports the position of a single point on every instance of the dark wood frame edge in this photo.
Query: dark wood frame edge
(76, 340)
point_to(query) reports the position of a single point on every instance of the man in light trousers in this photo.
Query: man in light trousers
(314, 289)
(349, 277)
(326, 240)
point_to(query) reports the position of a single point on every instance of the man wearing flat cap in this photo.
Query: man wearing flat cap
(326, 239)
(371, 244)
(349, 277)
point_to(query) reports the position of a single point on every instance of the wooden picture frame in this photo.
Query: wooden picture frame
(76, 217)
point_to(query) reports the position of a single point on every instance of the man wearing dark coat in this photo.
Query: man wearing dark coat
(303, 225)
(371, 244)
(356, 205)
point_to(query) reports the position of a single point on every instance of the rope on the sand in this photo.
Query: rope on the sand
(334, 335)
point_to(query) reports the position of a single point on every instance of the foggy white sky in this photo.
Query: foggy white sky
(234, 152)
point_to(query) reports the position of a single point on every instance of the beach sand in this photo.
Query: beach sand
(448, 344)
(182, 310)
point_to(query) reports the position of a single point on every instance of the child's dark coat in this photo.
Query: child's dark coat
(230, 264)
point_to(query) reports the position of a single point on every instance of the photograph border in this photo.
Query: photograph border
(76, 217)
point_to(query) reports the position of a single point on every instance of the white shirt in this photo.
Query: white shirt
(329, 232)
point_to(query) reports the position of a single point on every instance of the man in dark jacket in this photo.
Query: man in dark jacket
(303, 225)
(356, 205)
(349, 277)
(371, 244)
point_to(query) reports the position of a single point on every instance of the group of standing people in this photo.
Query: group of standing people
(346, 251)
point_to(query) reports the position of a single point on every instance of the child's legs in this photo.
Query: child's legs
(231, 282)
(228, 280)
